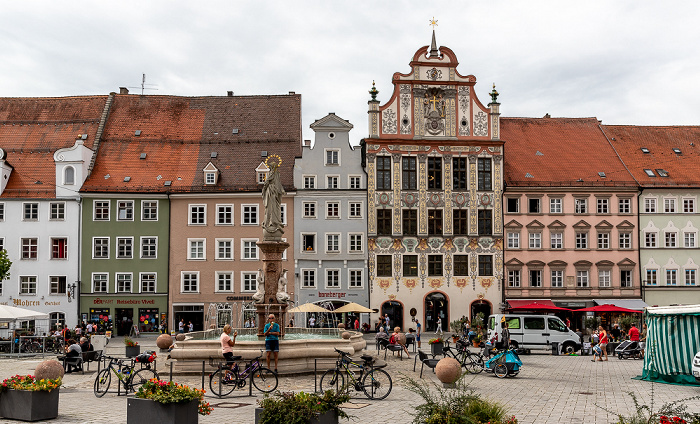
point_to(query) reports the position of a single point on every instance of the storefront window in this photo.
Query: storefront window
(148, 320)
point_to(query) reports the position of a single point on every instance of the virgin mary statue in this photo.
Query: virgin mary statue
(272, 193)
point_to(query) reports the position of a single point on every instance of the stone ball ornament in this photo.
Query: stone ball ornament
(180, 337)
(448, 370)
(346, 335)
(341, 325)
(50, 369)
(164, 341)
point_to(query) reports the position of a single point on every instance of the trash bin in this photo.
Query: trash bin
(555, 348)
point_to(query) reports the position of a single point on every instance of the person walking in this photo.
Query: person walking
(272, 341)
(312, 321)
(439, 327)
(603, 337)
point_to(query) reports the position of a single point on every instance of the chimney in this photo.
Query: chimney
(230, 93)
(123, 90)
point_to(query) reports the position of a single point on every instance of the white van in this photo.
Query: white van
(535, 331)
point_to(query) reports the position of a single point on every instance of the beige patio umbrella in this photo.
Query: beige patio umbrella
(308, 308)
(353, 307)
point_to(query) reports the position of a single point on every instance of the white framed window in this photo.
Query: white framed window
(27, 284)
(57, 285)
(309, 181)
(100, 282)
(284, 253)
(688, 205)
(149, 210)
(650, 205)
(224, 249)
(100, 248)
(332, 181)
(249, 249)
(535, 240)
(308, 242)
(691, 277)
(308, 278)
(249, 281)
(249, 214)
(332, 157)
(68, 175)
(603, 205)
(555, 205)
(2, 245)
(535, 278)
(603, 240)
(148, 282)
(59, 248)
(513, 205)
(31, 211)
(582, 240)
(149, 247)
(224, 214)
(189, 282)
(669, 205)
(652, 277)
(332, 278)
(309, 209)
(582, 278)
(125, 210)
(354, 182)
(2, 212)
(224, 281)
(332, 242)
(625, 240)
(513, 240)
(604, 278)
(580, 206)
(649, 239)
(30, 248)
(196, 249)
(100, 210)
(283, 213)
(198, 215)
(624, 205)
(670, 238)
(125, 247)
(209, 178)
(556, 240)
(57, 211)
(124, 282)
(262, 176)
(671, 277)
(625, 278)
(688, 239)
(355, 244)
(513, 278)
(557, 278)
(355, 280)
(355, 209)
(332, 210)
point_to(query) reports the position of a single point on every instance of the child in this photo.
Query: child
(597, 352)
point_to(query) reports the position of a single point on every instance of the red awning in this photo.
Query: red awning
(517, 303)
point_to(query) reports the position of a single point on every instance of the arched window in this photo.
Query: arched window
(69, 175)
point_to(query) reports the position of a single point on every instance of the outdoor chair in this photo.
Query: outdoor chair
(431, 363)
(411, 341)
(391, 347)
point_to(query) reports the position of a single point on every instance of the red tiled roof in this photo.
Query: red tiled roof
(683, 169)
(178, 135)
(32, 129)
(559, 152)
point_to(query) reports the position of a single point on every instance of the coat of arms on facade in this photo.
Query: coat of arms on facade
(434, 111)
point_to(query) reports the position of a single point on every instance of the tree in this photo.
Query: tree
(5, 264)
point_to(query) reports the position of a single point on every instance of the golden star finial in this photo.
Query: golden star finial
(433, 22)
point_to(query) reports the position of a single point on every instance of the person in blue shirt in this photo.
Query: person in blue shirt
(272, 341)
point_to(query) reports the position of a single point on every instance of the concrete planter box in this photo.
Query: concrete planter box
(29, 406)
(147, 411)
(133, 351)
(328, 417)
(436, 348)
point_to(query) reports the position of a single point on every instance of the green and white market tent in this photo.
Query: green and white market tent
(673, 339)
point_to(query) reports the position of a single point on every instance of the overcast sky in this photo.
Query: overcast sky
(622, 61)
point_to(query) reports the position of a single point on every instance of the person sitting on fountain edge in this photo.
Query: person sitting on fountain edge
(227, 349)
(272, 341)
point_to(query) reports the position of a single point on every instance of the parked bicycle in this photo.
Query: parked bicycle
(473, 362)
(373, 381)
(125, 370)
(222, 383)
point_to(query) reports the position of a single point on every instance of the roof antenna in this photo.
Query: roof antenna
(144, 85)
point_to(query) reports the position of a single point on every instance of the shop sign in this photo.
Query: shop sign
(98, 301)
(338, 295)
(20, 302)
(246, 298)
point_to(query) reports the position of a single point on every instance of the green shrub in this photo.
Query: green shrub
(299, 408)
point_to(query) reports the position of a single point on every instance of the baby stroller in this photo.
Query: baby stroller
(628, 349)
(506, 363)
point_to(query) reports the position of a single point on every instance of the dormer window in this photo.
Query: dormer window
(211, 174)
(262, 171)
(69, 175)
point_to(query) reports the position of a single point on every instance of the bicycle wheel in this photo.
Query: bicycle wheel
(377, 384)
(265, 380)
(332, 380)
(102, 381)
(219, 386)
(140, 377)
(501, 370)
(474, 364)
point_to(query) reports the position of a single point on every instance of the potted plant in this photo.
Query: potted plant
(132, 348)
(302, 408)
(436, 346)
(476, 341)
(158, 401)
(27, 399)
